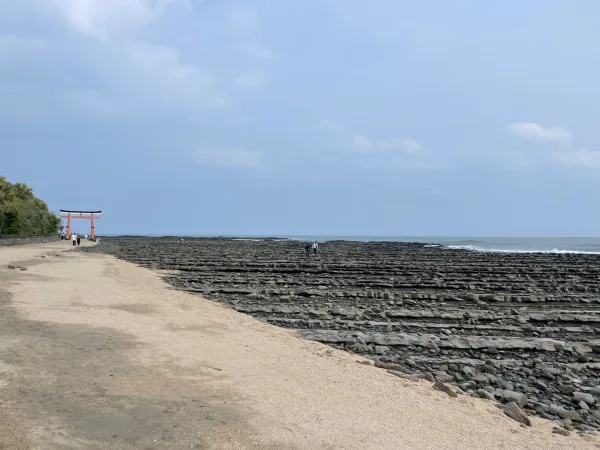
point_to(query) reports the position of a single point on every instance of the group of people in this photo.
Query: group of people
(74, 237)
(314, 246)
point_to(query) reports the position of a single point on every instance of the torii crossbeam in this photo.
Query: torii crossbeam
(88, 215)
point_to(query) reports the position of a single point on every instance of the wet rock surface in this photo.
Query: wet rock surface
(519, 329)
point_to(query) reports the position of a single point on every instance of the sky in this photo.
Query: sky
(326, 117)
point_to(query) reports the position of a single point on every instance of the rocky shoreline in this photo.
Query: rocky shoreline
(522, 330)
(6, 241)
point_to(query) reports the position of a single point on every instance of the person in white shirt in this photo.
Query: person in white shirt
(74, 238)
(315, 247)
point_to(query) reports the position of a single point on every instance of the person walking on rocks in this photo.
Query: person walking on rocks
(315, 247)
(74, 239)
(78, 240)
(307, 248)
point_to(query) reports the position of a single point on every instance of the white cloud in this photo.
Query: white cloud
(105, 19)
(153, 70)
(118, 73)
(568, 157)
(537, 133)
(407, 145)
(157, 71)
(361, 143)
(228, 157)
(581, 158)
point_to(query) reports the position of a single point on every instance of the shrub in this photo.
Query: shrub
(22, 214)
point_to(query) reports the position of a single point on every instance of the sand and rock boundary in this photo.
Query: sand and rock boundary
(99, 353)
(522, 330)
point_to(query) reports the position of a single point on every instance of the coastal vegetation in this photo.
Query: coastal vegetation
(23, 214)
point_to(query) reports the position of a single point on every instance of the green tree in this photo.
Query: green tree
(21, 213)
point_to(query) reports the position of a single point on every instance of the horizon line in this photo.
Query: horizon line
(277, 235)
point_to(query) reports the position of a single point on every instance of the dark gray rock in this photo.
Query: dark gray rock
(381, 349)
(6, 241)
(582, 349)
(557, 430)
(513, 411)
(468, 371)
(468, 385)
(569, 414)
(582, 397)
(389, 366)
(444, 388)
(443, 377)
(405, 376)
(485, 394)
(567, 389)
(415, 308)
(512, 396)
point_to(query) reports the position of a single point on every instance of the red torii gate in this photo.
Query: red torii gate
(89, 215)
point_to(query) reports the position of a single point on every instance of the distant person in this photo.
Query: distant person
(74, 239)
(78, 240)
(307, 248)
(315, 247)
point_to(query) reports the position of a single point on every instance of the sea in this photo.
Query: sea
(589, 245)
(585, 245)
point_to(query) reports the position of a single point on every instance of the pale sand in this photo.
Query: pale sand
(281, 391)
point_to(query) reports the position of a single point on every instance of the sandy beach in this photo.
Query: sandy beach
(96, 352)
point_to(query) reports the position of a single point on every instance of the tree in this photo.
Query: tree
(21, 213)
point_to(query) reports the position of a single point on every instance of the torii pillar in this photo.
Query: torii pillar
(89, 215)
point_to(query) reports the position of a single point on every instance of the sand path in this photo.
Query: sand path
(98, 353)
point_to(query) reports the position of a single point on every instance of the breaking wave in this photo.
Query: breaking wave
(558, 251)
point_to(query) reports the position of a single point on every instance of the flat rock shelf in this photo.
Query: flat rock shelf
(508, 327)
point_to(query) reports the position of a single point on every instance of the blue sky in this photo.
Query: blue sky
(334, 117)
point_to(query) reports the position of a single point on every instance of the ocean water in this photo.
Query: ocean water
(487, 244)
(588, 245)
